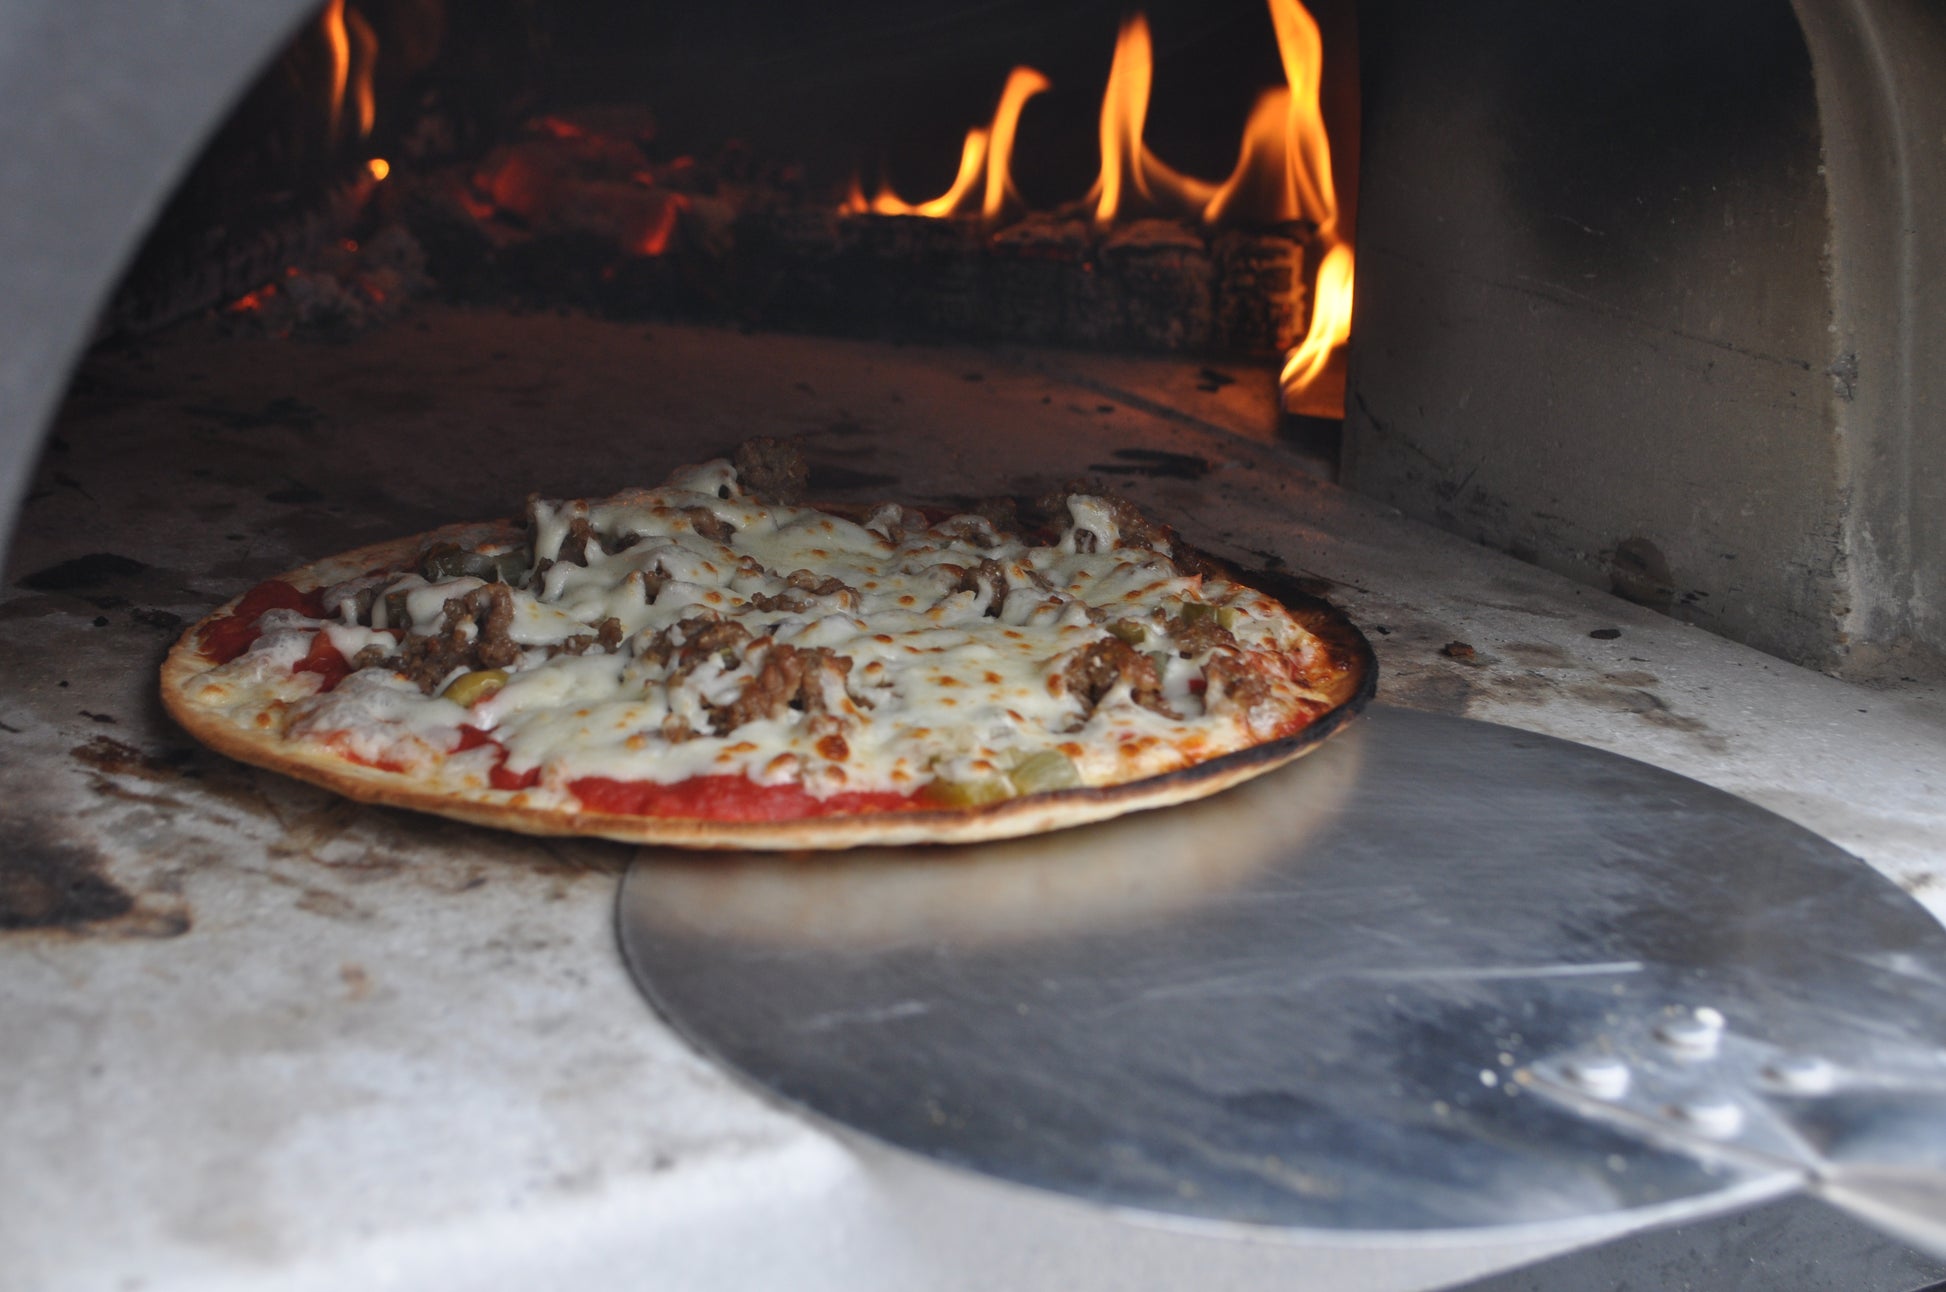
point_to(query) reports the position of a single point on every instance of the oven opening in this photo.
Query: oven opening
(750, 170)
(1619, 302)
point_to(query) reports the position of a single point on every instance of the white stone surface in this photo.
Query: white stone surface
(330, 1046)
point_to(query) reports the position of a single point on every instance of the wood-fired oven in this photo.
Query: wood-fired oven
(1635, 442)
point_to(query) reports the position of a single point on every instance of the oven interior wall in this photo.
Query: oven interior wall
(107, 104)
(1618, 316)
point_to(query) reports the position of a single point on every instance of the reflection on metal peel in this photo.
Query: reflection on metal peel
(1130, 870)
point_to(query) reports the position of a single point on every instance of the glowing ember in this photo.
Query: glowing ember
(379, 167)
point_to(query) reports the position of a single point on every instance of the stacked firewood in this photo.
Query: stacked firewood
(577, 211)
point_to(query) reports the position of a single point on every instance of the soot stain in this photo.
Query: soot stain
(1631, 677)
(1540, 655)
(829, 478)
(48, 883)
(294, 492)
(1155, 464)
(1441, 692)
(51, 884)
(90, 571)
(287, 412)
(116, 757)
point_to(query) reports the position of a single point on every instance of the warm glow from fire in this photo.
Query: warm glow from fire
(1261, 187)
(379, 167)
(987, 153)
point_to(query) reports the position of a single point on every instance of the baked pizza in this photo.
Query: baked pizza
(712, 663)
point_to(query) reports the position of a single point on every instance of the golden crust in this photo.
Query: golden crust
(510, 810)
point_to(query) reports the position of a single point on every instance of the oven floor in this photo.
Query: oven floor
(266, 1038)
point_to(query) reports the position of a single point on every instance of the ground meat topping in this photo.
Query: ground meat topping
(788, 678)
(771, 470)
(1096, 670)
(1002, 513)
(1195, 637)
(581, 540)
(977, 531)
(724, 639)
(1232, 684)
(893, 522)
(1134, 529)
(708, 524)
(1137, 530)
(662, 647)
(473, 634)
(987, 579)
(607, 636)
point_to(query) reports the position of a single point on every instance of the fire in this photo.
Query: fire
(1128, 169)
(337, 43)
(1307, 168)
(987, 154)
(1330, 325)
(351, 47)
(1282, 174)
(379, 168)
(364, 62)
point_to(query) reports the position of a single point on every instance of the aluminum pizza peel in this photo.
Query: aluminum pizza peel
(1438, 976)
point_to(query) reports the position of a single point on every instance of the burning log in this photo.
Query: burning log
(1157, 285)
(551, 230)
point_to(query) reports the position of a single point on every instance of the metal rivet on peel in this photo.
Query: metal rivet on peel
(1715, 1118)
(1694, 1034)
(1801, 1074)
(1602, 1076)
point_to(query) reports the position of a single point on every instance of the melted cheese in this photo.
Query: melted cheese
(947, 681)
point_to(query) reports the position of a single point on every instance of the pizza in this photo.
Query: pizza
(712, 663)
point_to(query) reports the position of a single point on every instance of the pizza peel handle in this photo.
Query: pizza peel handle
(1866, 1131)
(1438, 976)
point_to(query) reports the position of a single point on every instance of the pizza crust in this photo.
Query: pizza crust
(186, 664)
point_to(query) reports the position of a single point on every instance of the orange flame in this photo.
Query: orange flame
(1308, 173)
(1128, 169)
(359, 71)
(987, 153)
(352, 48)
(1302, 48)
(1330, 325)
(337, 44)
(1282, 174)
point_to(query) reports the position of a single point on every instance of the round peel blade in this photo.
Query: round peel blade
(1318, 1001)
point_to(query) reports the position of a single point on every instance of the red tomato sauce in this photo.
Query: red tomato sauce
(499, 777)
(324, 660)
(729, 798)
(234, 634)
